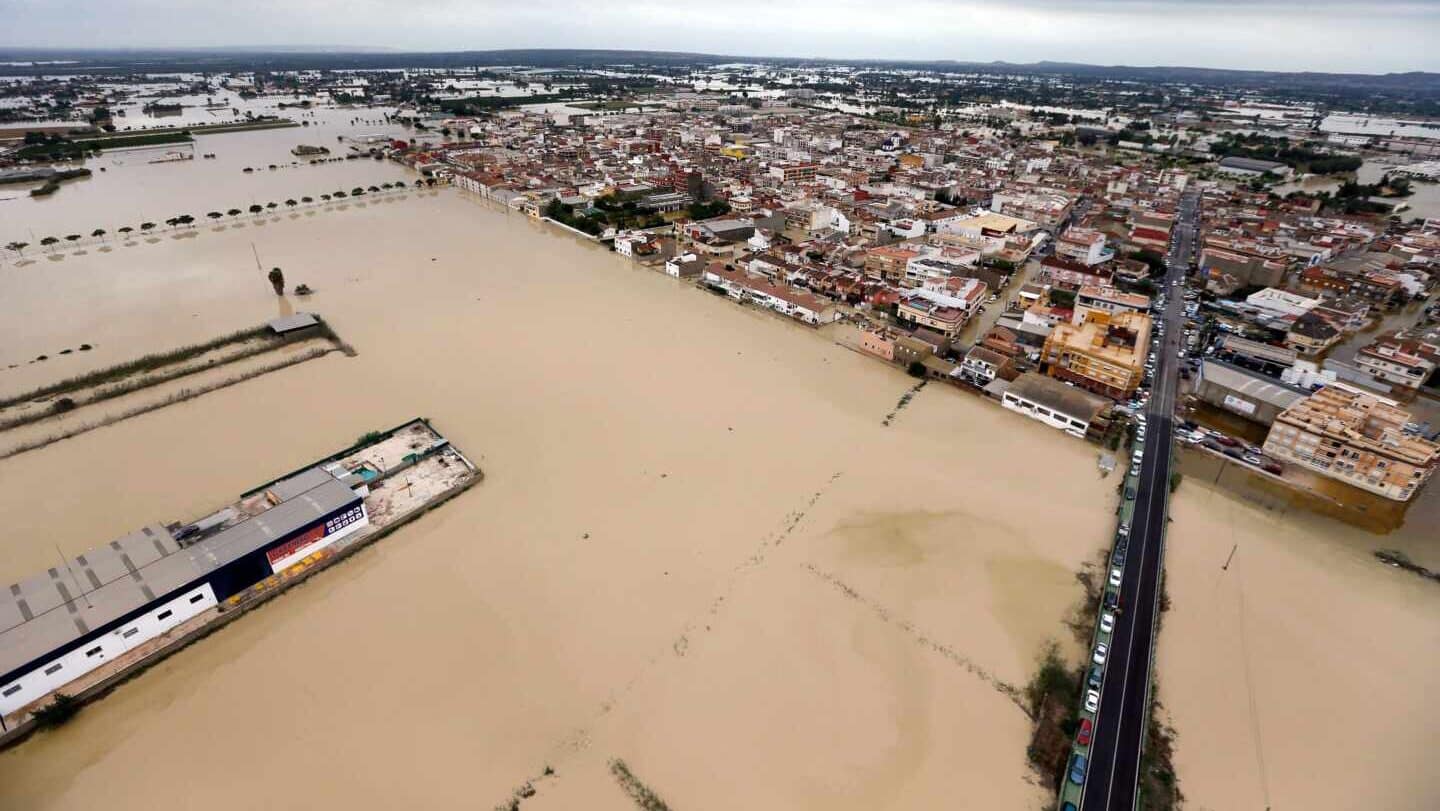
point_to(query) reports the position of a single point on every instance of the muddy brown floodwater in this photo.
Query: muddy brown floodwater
(1300, 676)
(696, 549)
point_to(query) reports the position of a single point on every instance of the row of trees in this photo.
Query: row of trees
(1305, 156)
(18, 248)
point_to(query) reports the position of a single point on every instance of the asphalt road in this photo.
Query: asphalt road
(1113, 777)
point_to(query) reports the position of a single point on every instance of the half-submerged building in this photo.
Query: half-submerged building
(63, 623)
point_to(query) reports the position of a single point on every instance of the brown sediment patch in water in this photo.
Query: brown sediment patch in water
(577, 586)
(1010, 691)
(1027, 594)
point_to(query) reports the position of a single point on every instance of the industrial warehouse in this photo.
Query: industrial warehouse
(93, 609)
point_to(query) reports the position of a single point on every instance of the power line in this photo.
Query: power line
(1250, 691)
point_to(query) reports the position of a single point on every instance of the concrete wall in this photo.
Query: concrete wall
(63, 669)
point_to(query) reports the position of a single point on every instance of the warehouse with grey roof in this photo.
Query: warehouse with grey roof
(60, 624)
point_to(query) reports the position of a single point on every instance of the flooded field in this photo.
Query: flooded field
(1299, 677)
(1422, 203)
(131, 190)
(697, 548)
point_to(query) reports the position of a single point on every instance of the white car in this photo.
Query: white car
(1107, 622)
(1092, 701)
(1100, 652)
(1115, 577)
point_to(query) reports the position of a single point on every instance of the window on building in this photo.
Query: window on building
(93, 651)
(53, 669)
(197, 598)
(164, 614)
(130, 632)
(11, 690)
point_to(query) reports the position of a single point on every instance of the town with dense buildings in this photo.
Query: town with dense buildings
(1214, 266)
(987, 245)
(990, 250)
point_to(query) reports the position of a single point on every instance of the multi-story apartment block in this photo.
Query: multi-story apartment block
(1098, 299)
(1083, 245)
(1357, 438)
(1104, 354)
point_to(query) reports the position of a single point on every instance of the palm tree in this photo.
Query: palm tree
(373, 189)
(234, 212)
(146, 226)
(291, 203)
(256, 208)
(339, 194)
(419, 182)
(172, 222)
(72, 238)
(272, 205)
(277, 281)
(356, 192)
(48, 241)
(98, 232)
(184, 219)
(307, 199)
(17, 247)
(214, 215)
(325, 197)
(126, 230)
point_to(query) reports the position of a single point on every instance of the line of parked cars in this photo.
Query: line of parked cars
(1192, 434)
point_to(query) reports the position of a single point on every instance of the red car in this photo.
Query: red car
(1083, 738)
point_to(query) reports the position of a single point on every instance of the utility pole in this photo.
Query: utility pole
(1226, 567)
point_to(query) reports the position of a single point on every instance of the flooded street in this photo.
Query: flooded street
(696, 549)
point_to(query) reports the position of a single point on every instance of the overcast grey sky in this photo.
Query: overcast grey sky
(1328, 35)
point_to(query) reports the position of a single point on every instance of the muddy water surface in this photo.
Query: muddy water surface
(1303, 675)
(697, 548)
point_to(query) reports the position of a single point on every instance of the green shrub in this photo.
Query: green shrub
(57, 712)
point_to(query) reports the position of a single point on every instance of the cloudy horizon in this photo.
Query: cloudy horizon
(1284, 35)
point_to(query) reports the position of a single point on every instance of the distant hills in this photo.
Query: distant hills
(349, 57)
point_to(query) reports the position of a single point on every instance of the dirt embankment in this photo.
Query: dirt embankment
(73, 406)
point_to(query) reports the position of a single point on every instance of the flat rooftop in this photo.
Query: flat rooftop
(50, 610)
(1250, 384)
